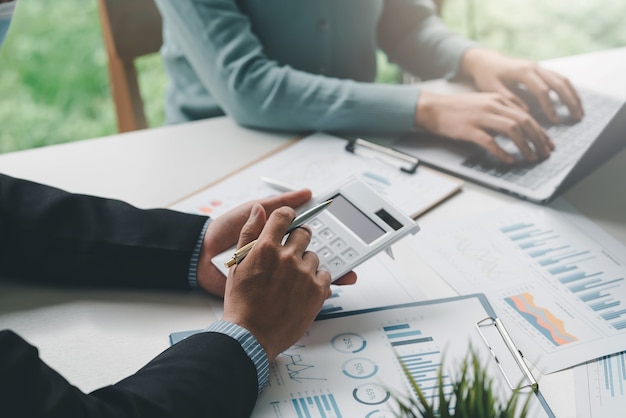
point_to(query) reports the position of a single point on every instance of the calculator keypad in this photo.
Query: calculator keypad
(327, 234)
(334, 253)
(324, 253)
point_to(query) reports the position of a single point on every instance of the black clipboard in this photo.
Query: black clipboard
(394, 154)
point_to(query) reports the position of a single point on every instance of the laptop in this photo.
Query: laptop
(580, 148)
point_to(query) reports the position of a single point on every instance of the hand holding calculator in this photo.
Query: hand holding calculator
(357, 225)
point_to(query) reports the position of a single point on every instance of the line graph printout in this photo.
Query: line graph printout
(319, 162)
(557, 279)
(348, 364)
(601, 387)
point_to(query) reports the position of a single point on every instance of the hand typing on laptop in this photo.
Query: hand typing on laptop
(499, 107)
(492, 71)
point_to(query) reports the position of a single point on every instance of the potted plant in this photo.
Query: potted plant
(473, 396)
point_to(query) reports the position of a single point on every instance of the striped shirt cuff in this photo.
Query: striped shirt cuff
(192, 278)
(250, 345)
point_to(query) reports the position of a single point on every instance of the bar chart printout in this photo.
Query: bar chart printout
(350, 364)
(422, 365)
(557, 279)
(316, 405)
(601, 387)
(577, 268)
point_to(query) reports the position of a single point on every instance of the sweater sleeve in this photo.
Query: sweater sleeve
(228, 58)
(413, 36)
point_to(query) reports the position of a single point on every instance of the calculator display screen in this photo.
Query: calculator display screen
(354, 219)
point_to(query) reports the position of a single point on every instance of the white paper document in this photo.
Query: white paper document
(349, 364)
(319, 162)
(601, 387)
(551, 274)
(379, 283)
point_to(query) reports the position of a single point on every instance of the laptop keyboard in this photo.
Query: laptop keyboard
(571, 142)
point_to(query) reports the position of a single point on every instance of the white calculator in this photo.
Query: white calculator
(357, 225)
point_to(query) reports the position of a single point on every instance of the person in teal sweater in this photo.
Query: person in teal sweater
(311, 64)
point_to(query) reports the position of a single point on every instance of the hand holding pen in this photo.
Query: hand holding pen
(229, 228)
(278, 290)
(241, 253)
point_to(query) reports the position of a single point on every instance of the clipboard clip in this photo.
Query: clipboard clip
(515, 352)
(388, 152)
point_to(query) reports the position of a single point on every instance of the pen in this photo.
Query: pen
(281, 186)
(297, 222)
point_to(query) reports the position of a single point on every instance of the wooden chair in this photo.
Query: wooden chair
(131, 28)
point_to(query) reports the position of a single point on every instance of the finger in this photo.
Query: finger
(253, 226)
(538, 87)
(324, 280)
(277, 225)
(311, 260)
(540, 139)
(299, 239)
(531, 129)
(509, 98)
(291, 199)
(486, 141)
(566, 92)
(509, 127)
(347, 279)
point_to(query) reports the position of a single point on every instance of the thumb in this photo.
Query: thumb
(253, 226)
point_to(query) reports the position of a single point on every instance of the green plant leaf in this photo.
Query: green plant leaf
(473, 395)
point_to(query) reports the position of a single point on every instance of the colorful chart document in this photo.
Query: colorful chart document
(349, 364)
(551, 274)
(601, 387)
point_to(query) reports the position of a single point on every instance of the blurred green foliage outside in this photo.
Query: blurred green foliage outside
(54, 82)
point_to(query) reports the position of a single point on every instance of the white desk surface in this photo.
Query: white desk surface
(98, 337)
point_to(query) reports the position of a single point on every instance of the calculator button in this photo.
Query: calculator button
(324, 252)
(315, 224)
(327, 234)
(315, 243)
(350, 254)
(338, 244)
(336, 263)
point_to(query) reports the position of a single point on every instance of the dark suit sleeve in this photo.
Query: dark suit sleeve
(50, 235)
(205, 375)
(47, 234)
